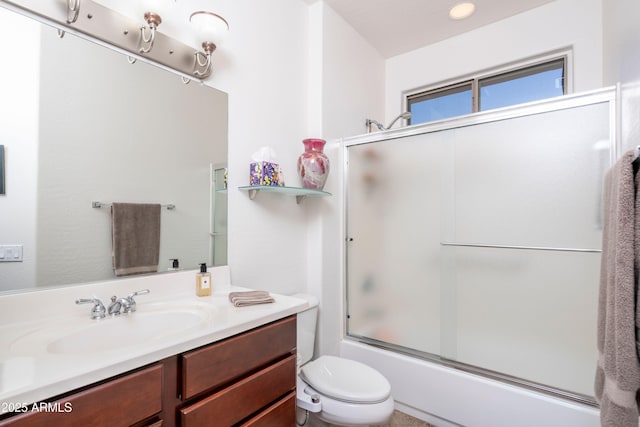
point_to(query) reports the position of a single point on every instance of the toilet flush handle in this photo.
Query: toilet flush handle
(308, 401)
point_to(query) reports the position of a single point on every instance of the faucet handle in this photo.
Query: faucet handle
(98, 311)
(132, 303)
(115, 306)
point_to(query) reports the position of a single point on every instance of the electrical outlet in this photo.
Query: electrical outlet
(10, 253)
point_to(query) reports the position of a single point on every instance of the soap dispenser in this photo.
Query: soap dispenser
(203, 282)
(175, 264)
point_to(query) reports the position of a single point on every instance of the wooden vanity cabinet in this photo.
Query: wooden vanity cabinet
(248, 379)
(127, 400)
(249, 375)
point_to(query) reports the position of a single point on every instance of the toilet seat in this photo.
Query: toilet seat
(346, 380)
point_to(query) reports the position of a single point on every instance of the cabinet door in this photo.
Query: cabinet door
(120, 402)
(248, 396)
(220, 363)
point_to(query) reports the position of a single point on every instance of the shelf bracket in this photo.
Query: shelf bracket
(252, 194)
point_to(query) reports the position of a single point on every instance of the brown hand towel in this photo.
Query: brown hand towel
(618, 371)
(241, 299)
(136, 238)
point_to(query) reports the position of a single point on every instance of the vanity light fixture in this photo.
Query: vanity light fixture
(119, 25)
(462, 10)
(211, 29)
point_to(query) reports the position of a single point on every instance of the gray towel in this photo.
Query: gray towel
(136, 238)
(241, 299)
(618, 371)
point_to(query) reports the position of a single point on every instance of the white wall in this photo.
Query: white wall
(352, 78)
(556, 25)
(19, 135)
(262, 65)
(351, 90)
(622, 63)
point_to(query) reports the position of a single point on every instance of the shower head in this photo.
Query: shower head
(406, 115)
(370, 122)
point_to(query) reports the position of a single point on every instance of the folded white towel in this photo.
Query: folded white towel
(241, 299)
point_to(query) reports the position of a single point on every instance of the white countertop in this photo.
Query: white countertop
(27, 377)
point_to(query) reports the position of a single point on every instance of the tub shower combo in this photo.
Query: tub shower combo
(475, 242)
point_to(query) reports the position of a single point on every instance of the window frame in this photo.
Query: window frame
(528, 67)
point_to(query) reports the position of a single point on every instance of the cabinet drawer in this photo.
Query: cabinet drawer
(230, 359)
(281, 413)
(120, 402)
(236, 402)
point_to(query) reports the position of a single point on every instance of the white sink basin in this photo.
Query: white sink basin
(150, 323)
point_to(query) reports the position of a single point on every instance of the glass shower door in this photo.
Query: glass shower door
(522, 239)
(393, 242)
(479, 244)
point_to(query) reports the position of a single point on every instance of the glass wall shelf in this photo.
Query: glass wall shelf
(299, 192)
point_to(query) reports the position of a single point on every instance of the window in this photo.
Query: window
(526, 84)
(442, 103)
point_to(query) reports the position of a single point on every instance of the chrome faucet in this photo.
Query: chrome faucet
(97, 311)
(124, 305)
(116, 306)
(131, 302)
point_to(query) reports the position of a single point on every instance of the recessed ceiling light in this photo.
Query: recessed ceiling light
(462, 10)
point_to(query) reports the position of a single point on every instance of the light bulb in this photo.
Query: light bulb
(209, 27)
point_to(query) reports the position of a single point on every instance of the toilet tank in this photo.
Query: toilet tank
(306, 328)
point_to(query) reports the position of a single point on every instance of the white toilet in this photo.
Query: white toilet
(334, 390)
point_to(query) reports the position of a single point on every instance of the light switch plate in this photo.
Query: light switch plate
(10, 253)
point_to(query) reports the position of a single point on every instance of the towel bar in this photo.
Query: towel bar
(532, 248)
(98, 205)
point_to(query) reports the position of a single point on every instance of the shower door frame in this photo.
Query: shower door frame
(608, 95)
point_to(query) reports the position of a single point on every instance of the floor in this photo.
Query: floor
(401, 419)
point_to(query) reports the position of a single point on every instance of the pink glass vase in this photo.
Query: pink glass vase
(313, 164)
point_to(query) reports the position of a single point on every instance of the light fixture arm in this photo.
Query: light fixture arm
(203, 64)
(73, 10)
(153, 21)
(205, 61)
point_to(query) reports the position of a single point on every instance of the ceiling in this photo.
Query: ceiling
(398, 26)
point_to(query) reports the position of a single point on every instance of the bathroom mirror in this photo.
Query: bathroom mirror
(82, 125)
